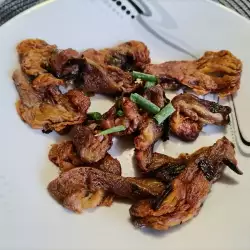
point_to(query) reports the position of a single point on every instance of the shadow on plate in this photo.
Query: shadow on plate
(228, 180)
(53, 136)
(212, 130)
(158, 233)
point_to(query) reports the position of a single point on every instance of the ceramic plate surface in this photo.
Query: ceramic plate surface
(173, 30)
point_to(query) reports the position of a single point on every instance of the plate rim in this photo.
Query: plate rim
(40, 5)
(47, 2)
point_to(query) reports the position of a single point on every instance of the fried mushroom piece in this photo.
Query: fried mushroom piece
(215, 72)
(168, 83)
(104, 79)
(64, 156)
(45, 80)
(130, 118)
(188, 191)
(83, 199)
(72, 188)
(185, 128)
(30, 44)
(131, 55)
(89, 147)
(144, 158)
(106, 70)
(49, 109)
(159, 165)
(127, 56)
(192, 113)
(110, 165)
(161, 161)
(65, 63)
(35, 56)
(156, 95)
(149, 133)
(224, 69)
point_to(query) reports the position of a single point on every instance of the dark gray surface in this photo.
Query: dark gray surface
(10, 8)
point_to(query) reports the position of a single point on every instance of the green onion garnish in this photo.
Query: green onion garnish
(112, 130)
(95, 116)
(144, 103)
(149, 85)
(144, 77)
(164, 113)
(118, 102)
(120, 113)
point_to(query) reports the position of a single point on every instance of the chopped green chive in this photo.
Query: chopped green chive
(112, 130)
(118, 103)
(164, 113)
(95, 116)
(149, 85)
(119, 113)
(144, 77)
(144, 103)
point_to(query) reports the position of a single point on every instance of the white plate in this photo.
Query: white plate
(29, 218)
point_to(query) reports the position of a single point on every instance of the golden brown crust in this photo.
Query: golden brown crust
(138, 50)
(192, 113)
(45, 80)
(156, 95)
(105, 70)
(49, 110)
(158, 160)
(106, 79)
(91, 179)
(64, 156)
(144, 158)
(150, 132)
(35, 56)
(134, 52)
(185, 128)
(90, 148)
(82, 199)
(215, 72)
(30, 44)
(110, 165)
(108, 200)
(224, 68)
